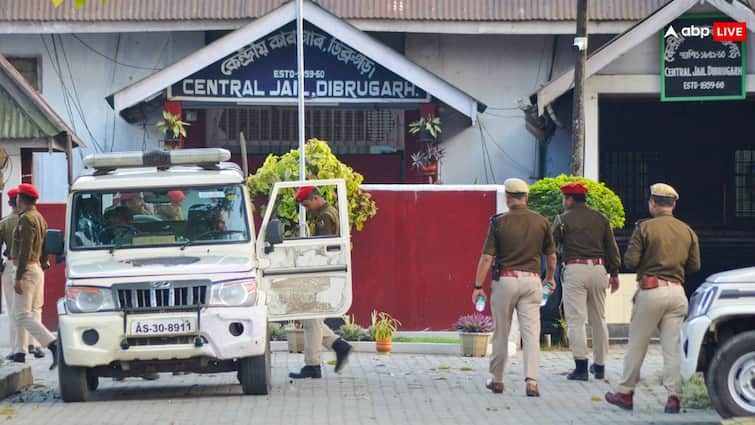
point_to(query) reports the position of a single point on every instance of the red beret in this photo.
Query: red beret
(28, 190)
(303, 192)
(573, 189)
(176, 196)
(12, 193)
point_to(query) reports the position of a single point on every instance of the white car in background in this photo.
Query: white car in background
(718, 339)
(164, 274)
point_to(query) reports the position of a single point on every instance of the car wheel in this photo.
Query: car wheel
(93, 381)
(254, 373)
(73, 382)
(731, 376)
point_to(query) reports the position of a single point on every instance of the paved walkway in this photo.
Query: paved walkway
(373, 390)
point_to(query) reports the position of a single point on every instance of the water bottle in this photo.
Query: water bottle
(546, 293)
(480, 304)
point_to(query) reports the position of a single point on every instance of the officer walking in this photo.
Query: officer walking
(663, 250)
(589, 253)
(7, 227)
(316, 332)
(28, 240)
(513, 248)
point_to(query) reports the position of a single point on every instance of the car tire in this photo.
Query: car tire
(72, 381)
(93, 381)
(254, 373)
(727, 377)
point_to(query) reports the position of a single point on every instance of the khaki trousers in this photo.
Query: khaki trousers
(27, 308)
(584, 287)
(663, 309)
(524, 295)
(9, 294)
(316, 333)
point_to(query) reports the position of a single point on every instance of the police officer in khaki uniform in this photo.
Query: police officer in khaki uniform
(7, 227)
(316, 332)
(28, 240)
(663, 250)
(589, 253)
(513, 247)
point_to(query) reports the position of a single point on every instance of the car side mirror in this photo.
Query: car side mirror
(54, 244)
(273, 234)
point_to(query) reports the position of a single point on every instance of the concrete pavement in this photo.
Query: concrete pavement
(373, 390)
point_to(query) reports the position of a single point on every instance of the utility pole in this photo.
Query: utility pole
(578, 108)
(300, 106)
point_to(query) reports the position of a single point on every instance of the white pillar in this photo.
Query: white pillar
(591, 135)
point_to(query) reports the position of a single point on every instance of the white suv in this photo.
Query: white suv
(718, 338)
(164, 274)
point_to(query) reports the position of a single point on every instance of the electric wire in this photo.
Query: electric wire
(76, 98)
(112, 59)
(506, 154)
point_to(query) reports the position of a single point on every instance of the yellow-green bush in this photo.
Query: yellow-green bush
(545, 198)
(321, 164)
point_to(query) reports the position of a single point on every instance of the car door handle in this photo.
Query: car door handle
(333, 248)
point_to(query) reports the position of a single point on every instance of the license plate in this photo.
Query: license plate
(178, 326)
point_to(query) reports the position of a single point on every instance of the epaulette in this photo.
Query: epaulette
(637, 223)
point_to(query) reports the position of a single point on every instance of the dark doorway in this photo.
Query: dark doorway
(706, 150)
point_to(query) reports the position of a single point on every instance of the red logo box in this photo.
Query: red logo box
(729, 31)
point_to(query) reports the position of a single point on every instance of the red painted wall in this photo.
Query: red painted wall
(55, 276)
(415, 259)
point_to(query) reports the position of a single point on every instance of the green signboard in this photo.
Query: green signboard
(695, 67)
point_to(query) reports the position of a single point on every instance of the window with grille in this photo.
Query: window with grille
(628, 174)
(28, 68)
(346, 130)
(744, 183)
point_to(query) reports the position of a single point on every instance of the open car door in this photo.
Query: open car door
(305, 277)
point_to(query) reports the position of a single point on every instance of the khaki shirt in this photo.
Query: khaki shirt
(585, 232)
(326, 221)
(7, 227)
(518, 239)
(28, 240)
(664, 247)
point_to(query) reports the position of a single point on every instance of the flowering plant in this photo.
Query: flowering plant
(475, 323)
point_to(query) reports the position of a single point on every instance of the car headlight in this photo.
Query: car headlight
(701, 301)
(234, 293)
(89, 299)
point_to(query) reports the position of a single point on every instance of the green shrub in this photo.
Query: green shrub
(321, 164)
(695, 394)
(277, 333)
(545, 198)
(351, 331)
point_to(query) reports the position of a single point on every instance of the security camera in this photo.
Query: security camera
(580, 43)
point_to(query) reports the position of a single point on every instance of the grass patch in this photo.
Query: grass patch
(429, 340)
(695, 394)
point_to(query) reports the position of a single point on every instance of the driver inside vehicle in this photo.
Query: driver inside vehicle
(119, 228)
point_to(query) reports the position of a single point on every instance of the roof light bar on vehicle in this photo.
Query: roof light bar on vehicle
(110, 161)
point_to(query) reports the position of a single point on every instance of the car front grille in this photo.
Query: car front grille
(162, 295)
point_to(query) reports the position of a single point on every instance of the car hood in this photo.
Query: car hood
(746, 275)
(158, 266)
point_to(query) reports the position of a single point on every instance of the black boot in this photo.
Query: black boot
(36, 352)
(307, 372)
(53, 347)
(598, 370)
(342, 349)
(580, 372)
(19, 358)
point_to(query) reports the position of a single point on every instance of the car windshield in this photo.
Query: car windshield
(149, 217)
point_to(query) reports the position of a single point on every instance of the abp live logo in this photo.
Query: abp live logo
(729, 31)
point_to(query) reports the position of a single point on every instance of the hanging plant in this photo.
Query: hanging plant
(172, 124)
(429, 125)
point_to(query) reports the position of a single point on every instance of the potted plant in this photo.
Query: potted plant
(428, 128)
(383, 326)
(427, 160)
(295, 337)
(474, 334)
(350, 330)
(173, 128)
